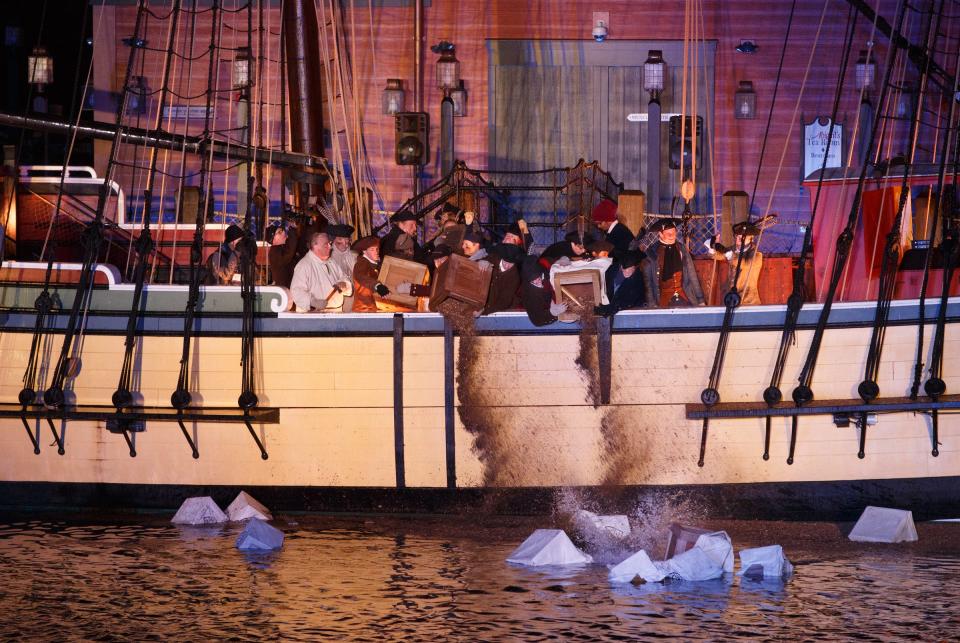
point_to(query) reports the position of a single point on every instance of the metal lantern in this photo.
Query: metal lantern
(653, 70)
(393, 97)
(459, 98)
(745, 101)
(242, 69)
(866, 71)
(448, 67)
(39, 67)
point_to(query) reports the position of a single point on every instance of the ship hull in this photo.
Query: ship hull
(506, 411)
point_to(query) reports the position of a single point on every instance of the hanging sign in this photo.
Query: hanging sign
(183, 112)
(815, 145)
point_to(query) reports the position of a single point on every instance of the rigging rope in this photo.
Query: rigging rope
(93, 233)
(181, 397)
(868, 388)
(802, 393)
(122, 397)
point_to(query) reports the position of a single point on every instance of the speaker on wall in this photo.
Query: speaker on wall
(688, 151)
(413, 138)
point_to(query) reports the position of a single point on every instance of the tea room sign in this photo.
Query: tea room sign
(815, 146)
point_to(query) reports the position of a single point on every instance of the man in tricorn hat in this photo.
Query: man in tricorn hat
(671, 278)
(401, 240)
(366, 275)
(605, 218)
(342, 255)
(472, 246)
(518, 234)
(505, 281)
(573, 246)
(222, 263)
(746, 254)
(283, 250)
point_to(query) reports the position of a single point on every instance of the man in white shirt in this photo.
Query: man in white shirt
(318, 282)
(342, 255)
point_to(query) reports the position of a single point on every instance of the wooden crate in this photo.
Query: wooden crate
(395, 270)
(461, 279)
(578, 289)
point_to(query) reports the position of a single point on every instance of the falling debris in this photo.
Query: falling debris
(199, 511)
(259, 536)
(617, 526)
(884, 525)
(245, 506)
(548, 547)
(710, 557)
(766, 562)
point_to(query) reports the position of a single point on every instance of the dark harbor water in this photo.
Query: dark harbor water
(136, 577)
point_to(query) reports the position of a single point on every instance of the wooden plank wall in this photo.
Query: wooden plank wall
(383, 47)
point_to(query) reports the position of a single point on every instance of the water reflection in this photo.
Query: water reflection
(427, 579)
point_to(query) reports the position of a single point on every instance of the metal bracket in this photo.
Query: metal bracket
(56, 436)
(35, 440)
(186, 434)
(256, 438)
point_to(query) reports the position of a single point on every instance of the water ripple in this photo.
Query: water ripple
(431, 580)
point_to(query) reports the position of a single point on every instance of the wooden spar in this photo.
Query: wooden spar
(303, 74)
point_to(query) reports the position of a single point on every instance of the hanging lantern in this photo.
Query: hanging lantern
(39, 67)
(653, 72)
(459, 98)
(448, 67)
(242, 69)
(137, 98)
(393, 97)
(866, 71)
(905, 102)
(745, 101)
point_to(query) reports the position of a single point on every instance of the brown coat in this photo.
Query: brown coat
(365, 277)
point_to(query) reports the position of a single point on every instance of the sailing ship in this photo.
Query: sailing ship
(127, 381)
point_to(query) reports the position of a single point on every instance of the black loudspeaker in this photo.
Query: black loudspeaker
(413, 138)
(188, 204)
(688, 151)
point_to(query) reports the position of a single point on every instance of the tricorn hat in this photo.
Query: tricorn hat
(746, 228)
(604, 212)
(509, 252)
(630, 258)
(442, 250)
(663, 224)
(582, 240)
(363, 243)
(449, 212)
(472, 236)
(233, 233)
(600, 246)
(403, 215)
(340, 230)
(272, 231)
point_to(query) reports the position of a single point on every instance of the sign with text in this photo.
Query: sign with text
(815, 145)
(183, 112)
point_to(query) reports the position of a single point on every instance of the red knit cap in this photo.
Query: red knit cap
(605, 212)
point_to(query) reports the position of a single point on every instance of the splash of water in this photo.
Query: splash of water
(650, 513)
